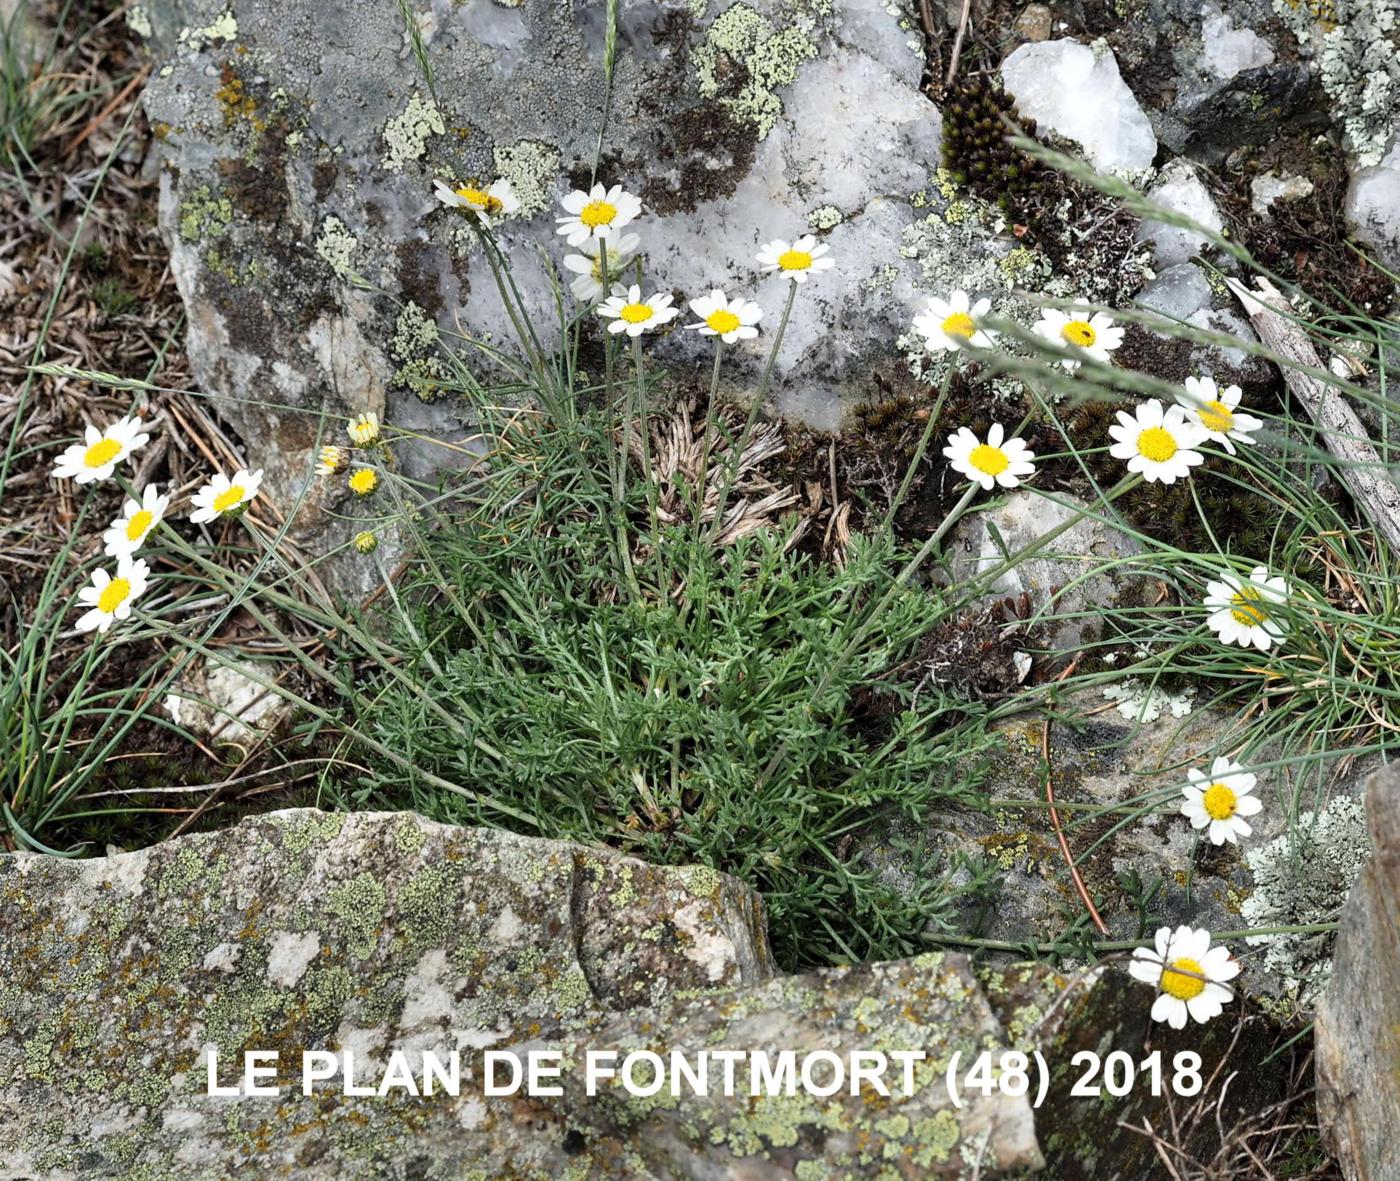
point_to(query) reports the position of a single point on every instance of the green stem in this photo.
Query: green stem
(643, 425)
(1111, 945)
(731, 470)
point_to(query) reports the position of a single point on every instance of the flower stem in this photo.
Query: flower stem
(643, 426)
(731, 471)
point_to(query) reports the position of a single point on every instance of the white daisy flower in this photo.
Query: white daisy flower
(1093, 336)
(1221, 800)
(97, 456)
(948, 324)
(587, 267)
(331, 459)
(497, 200)
(1189, 972)
(997, 461)
(1217, 411)
(729, 319)
(598, 213)
(1159, 444)
(364, 429)
(630, 313)
(222, 495)
(1239, 611)
(139, 517)
(797, 260)
(110, 597)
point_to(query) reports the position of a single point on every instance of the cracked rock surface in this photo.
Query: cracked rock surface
(376, 932)
(300, 141)
(1358, 1022)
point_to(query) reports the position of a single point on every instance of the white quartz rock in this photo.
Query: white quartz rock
(1270, 187)
(1076, 91)
(1373, 206)
(1180, 190)
(1228, 50)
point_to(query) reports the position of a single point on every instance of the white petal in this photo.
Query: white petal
(1167, 1008)
(1145, 970)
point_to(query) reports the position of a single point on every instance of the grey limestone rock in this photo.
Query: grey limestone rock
(1358, 1057)
(376, 933)
(299, 143)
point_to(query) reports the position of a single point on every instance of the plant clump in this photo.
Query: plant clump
(978, 117)
(1082, 233)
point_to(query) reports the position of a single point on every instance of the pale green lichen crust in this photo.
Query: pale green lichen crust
(406, 135)
(1357, 46)
(415, 347)
(305, 930)
(337, 246)
(766, 54)
(1302, 878)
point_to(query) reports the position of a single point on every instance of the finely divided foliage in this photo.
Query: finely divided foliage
(615, 629)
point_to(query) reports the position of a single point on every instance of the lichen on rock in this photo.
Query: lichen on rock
(1302, 878)
(1357, 45)
(406, 135)
(382, 933)
(766, 57)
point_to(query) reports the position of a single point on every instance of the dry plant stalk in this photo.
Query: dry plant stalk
(1360, 467)
(678, 458)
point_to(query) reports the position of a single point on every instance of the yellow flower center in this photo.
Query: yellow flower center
(364, 430)
(959, 324)
(722, 321)
(637, 313)
(597, 213)
(1216, 416)
(364, 481)
(1244, 606)
(1219, 802)
(113, 595)
(988, 459)
(1183, 979)
(139, 523)
(1079, 332)
(794, 260)
(481, 199)
(227, 499)
(1157, 444)
(101, 453)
